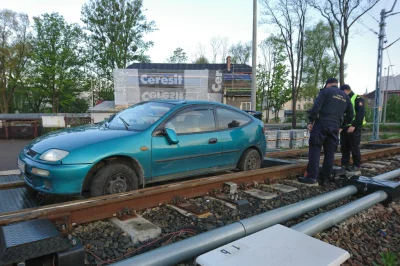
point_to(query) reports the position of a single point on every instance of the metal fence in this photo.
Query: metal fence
(29, 126)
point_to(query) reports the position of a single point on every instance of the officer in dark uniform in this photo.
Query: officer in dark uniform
(329, 108)
(350, 136)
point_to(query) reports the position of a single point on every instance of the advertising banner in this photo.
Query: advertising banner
(135, 85)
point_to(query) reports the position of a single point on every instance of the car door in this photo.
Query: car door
(199, 148)
(235, 136)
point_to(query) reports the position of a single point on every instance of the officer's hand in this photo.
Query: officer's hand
(340, 130)
(310, 127)
(351, 129)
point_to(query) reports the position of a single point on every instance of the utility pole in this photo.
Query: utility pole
(254, 59)
(386, 96)
(377, 107)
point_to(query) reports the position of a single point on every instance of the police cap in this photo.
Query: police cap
(331, 80)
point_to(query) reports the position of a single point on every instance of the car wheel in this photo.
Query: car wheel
(112, 179)
(250, 160)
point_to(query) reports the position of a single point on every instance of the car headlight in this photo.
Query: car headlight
(54, 155)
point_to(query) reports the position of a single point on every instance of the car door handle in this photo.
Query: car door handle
(212, 141)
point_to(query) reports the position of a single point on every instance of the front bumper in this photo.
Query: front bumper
(63, 179)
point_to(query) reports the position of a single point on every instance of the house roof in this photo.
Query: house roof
(371, 95)
(237, 68)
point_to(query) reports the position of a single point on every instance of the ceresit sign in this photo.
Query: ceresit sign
(215, 81)
(135, 85)
(162, 95)
(161, 79)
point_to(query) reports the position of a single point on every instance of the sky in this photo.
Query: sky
(188, 23)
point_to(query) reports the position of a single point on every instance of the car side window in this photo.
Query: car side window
(192, 121)
(230, 119)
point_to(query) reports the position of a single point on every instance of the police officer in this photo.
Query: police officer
(324, 123)
(350, 136)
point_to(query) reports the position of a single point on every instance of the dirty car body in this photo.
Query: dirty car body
(148, 142)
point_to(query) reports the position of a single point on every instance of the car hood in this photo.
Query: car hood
(75, 138)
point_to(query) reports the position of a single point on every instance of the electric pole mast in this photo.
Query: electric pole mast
(254, 59)
(378, 107)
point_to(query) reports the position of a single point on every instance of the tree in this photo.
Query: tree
(178, 56)
(320, 62)
(272, 77)
(290, 17)
(280, 92)
(201, 60)
(116, 34)
(216, 48)
(57, 62)
(224, 49)
(341, 16)
(14, 53)
(393, 108)
(240, 52)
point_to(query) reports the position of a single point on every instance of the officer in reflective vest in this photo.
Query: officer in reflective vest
(329, 108)
(350, 135)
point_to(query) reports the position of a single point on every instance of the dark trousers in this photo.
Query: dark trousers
(325, 136)
(350, 142)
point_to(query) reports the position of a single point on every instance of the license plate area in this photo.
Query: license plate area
(21, 166)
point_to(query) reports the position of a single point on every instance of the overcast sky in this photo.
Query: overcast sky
(186, 23)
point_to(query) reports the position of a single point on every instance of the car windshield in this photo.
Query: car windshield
(140, 116)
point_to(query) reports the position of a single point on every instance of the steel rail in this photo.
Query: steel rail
(82, 211)
(274, 154)
(302, 152)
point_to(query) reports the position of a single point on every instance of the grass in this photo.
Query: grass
(388, 258)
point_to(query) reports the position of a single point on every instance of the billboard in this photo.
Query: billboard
(135, 85)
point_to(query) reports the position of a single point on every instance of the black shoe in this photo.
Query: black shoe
(307, 180)
(353, 169)
(345, 166)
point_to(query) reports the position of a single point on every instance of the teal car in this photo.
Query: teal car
(149, 142)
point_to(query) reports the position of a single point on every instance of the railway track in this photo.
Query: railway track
(77, 212)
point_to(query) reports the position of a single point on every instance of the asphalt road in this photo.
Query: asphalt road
(9, 150)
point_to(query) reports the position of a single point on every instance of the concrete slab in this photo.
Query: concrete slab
(262, 195)
(139, 229)
(303, 184)
(10, 172)
(372, 165)
(382, 162)
(283, 188)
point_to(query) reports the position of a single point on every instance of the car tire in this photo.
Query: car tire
(250, 160)
(113, 178)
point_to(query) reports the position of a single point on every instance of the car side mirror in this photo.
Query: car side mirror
(171, 136)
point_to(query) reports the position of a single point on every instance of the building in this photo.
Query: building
(228, 83)
(389, 83)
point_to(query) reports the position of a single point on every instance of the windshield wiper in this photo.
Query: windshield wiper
(125, 123)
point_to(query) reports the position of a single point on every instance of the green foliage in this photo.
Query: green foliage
(388, 259)
(272, 86)
(116, 34)
(369, 112)
(202, 60)
(393, 108)
(240, 52)
(14, 53)
(178, 56)
(320, 63)
(56, 69)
